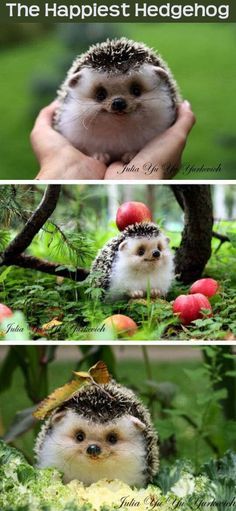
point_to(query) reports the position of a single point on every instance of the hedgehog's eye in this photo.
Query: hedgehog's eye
(141, 251)
(101, 94)
(112, 438)
(159, 246)
(135, 90)
(80, 436)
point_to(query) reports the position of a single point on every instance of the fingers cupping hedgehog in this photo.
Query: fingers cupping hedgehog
(136, 262)
(102, 431)
(116, 98)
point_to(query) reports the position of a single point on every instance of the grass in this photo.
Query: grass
(200, 52)
(201, 57)
(19, 67)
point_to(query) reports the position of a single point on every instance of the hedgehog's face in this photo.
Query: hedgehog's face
(88, 450)
(145, 254)
(120, 94)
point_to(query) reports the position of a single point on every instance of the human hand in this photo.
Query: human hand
(58, 159)
(161, 157)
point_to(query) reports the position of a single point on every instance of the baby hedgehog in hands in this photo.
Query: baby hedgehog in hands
(116, 98)
(102, 432)
(136, 260)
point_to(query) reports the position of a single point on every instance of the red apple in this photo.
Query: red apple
(189, 307)
(132, 212)
(121, 324)
(5, 312)
(207, 287)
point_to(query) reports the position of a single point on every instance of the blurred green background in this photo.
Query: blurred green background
(35, 57)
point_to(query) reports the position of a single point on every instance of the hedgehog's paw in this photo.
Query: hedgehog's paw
(102, 157)
(155, 293)
(136, 294)
(127, 157)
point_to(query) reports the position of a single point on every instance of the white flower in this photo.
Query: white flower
(185, 486)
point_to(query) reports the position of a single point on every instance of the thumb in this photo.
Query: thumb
(185, 121)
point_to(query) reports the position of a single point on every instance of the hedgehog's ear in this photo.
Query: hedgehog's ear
(123, 245)
(162, 73)
(57, 417)
(165, 239)
(137, 423)
(74, 79)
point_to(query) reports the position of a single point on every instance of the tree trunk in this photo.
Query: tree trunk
(195, 248)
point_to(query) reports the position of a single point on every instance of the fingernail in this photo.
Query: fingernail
(186, 102)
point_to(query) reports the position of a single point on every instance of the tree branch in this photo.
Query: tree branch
(221, 237)
(37, 220)
(34, 263)
(14, 256)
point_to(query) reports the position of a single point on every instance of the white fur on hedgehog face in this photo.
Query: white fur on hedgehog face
(89, 120)
(142, 263)
(121, 443)
(142, 89)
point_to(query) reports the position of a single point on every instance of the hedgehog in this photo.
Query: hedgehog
(102, 432)
(116, 98)
(137, 260)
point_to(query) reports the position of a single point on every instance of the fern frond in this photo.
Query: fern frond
(4, 239)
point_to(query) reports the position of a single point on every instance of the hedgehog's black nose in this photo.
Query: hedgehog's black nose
(156, 253)
(119, 104)
(93, 450)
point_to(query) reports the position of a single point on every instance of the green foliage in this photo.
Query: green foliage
(33, 364)
(14, 202)
(169, 476)
(71, 248)
(23, 487)
(4, 240)
(223, 477)
(81, 309)
(214, 405)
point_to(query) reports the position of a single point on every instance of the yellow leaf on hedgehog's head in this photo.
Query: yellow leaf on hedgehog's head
(97, 373)
(83, 375)
(58, 397)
